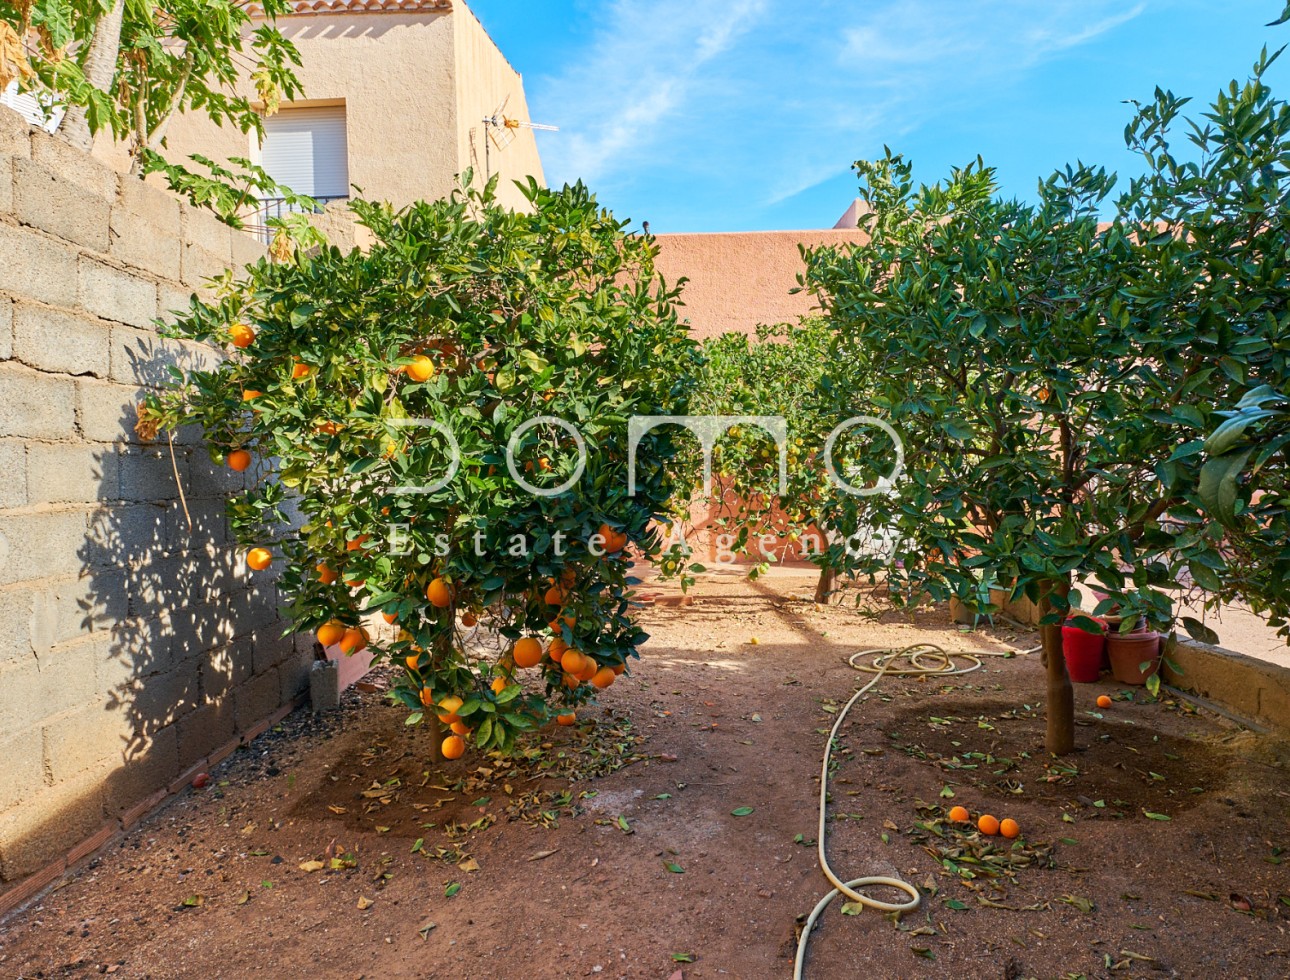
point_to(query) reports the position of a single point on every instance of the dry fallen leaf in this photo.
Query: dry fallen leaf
(364, 903)
(543, 854)
(309, 867)
(470, 864)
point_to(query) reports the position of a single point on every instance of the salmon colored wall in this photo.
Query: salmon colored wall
(741, 279)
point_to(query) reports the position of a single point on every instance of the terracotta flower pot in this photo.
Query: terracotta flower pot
(1129, 651)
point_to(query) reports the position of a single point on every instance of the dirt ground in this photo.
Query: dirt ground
(613, 849)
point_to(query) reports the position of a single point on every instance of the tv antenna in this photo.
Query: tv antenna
(500, 130)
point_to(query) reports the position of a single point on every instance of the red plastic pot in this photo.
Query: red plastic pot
(1083, 652)
(1129, 651)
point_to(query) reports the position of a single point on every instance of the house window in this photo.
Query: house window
(305, 149)
(39, 111)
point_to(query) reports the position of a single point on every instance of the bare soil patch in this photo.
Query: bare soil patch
(613, 850)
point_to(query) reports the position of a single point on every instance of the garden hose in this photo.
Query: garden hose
(920, 660)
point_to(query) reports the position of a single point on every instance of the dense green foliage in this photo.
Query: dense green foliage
(775, 373)
(551, 313)
(169, 56)
(1053, 377)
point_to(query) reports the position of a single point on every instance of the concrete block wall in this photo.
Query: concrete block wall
(136, 647)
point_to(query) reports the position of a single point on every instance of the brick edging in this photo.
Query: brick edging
(35, 885)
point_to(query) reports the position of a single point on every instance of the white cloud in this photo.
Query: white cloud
(996, 35)
(756, 102)
(640, 69)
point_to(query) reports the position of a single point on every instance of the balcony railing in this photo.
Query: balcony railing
(257, 221)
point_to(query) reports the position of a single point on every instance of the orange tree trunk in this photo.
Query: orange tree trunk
(1060, 736)
(825, 586)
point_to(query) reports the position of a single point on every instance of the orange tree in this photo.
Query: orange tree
(388, 405)
(1053, 377)
(775, 373)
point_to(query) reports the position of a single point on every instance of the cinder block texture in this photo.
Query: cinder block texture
(135, 644)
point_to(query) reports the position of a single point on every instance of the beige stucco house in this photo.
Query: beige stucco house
(396, 93)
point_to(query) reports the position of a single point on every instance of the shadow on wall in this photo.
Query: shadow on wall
(178, 654)
(199, 655)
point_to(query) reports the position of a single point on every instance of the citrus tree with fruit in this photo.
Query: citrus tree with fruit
(775, 373)
(1034, 431)
(1059, 380)
(436, 432)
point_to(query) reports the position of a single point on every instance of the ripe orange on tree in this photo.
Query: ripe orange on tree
(251, 394)
(421, 369)
(460, 727)
(554, 596)
(439, 593)
(570, 718)
(427, 697)
(453, 747)
(571, 682)
(527, 652)
(390, 618)
(499, 685)
(300, 369)
(258, 559)
(242, 335)
(603, 677)
(557, 649)
(330, 633)
(354, 641)
(448, 709)
(573, 662)
(614, 541)
(238, 460)
(469, 619)
(588, 671)
(413, 661)
(326, 574)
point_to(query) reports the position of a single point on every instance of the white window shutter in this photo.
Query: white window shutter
(306, 150)
(35, 111)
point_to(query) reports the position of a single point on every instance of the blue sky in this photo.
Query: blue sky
(730, 115)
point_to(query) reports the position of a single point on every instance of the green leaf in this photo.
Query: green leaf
(1083, 904)
(1155, 816)
(1217, 487)
(673, 867)
(1205, 577)
(741, 811)
(682, 957)
(1199, 631)
(452, 890)
(1227, 435)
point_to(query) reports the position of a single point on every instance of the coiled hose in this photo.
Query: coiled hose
(918, 660)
